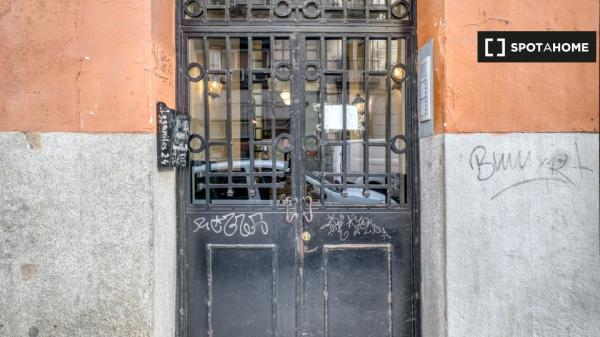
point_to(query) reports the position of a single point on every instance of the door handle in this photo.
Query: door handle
(308, 200)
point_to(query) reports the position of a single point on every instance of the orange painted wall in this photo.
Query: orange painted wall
(163, 52)
(84, 66)
(430, 26)
(508, 97)
(99, 66)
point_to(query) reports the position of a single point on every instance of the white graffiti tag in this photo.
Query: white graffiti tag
(346, 225)
(232, 223)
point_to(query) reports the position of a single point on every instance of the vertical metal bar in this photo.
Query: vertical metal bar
(183, 177)
(388, 122)
(229, 131)
(209, 282)
(414, 184)
(298, 173)
(271, 107)
(345, 87)
(325, 265)
(250, 114)
(227, 13)
(322, 136)
(366, 112)
(248, 10)
(182, 102)
(206, 124)
(274, 311)
(410, 118)
(296, 119)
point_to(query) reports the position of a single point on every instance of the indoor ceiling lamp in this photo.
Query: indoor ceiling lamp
(286, 96)
(214, 88)
(398, 74)
(359, 103)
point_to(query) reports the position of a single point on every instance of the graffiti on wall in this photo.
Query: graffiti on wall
(162, 65)
(351, 225)
(565, 167)
(231, 224)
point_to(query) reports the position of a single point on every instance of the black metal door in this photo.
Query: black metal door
(357, 259)
(297, 209)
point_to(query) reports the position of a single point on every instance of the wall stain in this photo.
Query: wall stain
(34, 139)
(5, 8)
(28, 271)
(34, 331)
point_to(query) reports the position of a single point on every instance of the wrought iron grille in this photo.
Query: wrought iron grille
(284, 11)
(312, 108)
(233, 82)
(354, 120)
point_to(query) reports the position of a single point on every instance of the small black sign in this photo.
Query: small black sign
(172, 134)
(536, 46)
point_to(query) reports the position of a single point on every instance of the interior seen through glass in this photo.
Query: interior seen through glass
(242, 108)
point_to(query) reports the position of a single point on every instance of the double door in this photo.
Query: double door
(296, 208)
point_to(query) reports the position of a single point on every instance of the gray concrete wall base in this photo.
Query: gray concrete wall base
(509, 236)
(87, 236)
(519, 233)
(433, 237)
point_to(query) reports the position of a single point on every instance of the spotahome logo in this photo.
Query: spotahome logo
(536, 46)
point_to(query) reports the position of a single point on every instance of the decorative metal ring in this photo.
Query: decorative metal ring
(397, 9)
(190, 67)
(281, 74)
(392, 70)
(394, 147)
(202, 143)
(280, 12)
(186, 8)
(306, 13)
(317, 143)
(316, 74)
(278, 140)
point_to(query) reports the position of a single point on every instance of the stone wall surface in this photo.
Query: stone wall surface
(520, 235)
(433, 250)
(81, 245)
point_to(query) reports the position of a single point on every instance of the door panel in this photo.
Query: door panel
(357, 278)
(252, 296)
(297, 207)
(357, 260)
(358, 288)
(241, 273)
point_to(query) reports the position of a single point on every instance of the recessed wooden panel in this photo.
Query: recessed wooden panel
(241, 281)
(357, 290)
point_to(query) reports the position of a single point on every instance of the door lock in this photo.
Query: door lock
(306, 236)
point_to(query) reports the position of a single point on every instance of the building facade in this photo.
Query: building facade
(355, 217)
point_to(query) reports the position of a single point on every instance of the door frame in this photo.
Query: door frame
(182, 288)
